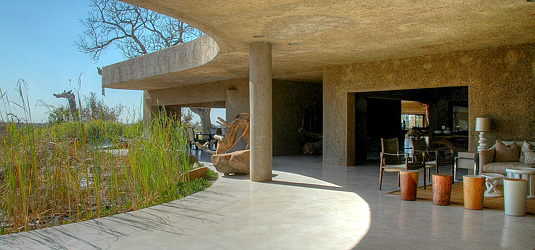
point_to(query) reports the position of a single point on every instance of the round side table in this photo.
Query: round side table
(526, 174)
(491, 182)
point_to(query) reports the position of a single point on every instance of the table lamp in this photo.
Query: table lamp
(482, 126)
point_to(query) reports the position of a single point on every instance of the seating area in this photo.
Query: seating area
(507, 154)
(481, 186)
(201, 138)
(392, 160)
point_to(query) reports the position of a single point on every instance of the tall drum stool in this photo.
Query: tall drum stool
(473, 190)
(442, 189)
(491, 182)
(514, 199)
(408, 184)
(526, 174)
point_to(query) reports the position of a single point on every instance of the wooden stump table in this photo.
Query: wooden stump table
(473, 190)
(442, 184)
(408, 184)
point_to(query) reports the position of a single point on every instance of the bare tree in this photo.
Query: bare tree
(134, 30)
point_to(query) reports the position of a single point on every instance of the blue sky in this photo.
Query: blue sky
(37, 45)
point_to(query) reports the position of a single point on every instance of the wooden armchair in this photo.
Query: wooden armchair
(431, 157)
(392, 160)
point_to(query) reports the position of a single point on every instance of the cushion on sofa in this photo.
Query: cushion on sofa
(499, 167)
(506, 153)
(487, 156)
(529, 157)
(525, 146)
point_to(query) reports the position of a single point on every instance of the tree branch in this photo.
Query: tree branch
(135, 31)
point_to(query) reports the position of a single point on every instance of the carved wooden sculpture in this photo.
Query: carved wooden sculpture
(236, 162)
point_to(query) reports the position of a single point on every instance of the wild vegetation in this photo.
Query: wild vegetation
(78, 170)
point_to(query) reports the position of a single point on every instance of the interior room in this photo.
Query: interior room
(438, 114)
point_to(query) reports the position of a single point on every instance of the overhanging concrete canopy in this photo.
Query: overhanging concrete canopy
(175, 66)
(309, 35)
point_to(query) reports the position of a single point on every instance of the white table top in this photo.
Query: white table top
(492, 175)
(520, 170)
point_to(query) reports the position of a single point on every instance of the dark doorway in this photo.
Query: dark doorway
(379, 115)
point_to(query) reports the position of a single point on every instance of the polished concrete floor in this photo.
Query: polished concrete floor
(308, 205)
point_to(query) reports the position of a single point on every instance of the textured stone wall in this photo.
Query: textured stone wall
(500, 86)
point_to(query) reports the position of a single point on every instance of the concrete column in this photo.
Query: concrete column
(260, 98)
(150, 108)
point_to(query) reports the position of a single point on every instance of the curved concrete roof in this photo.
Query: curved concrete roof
(177, 65)
(332, 32)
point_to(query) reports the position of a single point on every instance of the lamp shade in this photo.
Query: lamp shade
(482, 124)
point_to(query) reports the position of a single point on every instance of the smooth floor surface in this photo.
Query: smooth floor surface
(308, 205)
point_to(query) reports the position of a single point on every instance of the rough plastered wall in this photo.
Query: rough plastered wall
(500, 83)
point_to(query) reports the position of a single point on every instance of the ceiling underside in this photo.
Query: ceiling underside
(337, 32)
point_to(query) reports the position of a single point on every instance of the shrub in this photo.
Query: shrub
(91, 109)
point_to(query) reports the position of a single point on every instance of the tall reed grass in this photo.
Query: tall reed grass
(74, 171)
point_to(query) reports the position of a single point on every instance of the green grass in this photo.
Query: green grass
(62, 173)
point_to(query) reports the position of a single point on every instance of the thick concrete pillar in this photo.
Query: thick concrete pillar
(150, 108)
(260, 98)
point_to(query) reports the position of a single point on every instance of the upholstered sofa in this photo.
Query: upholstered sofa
(507, 154)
